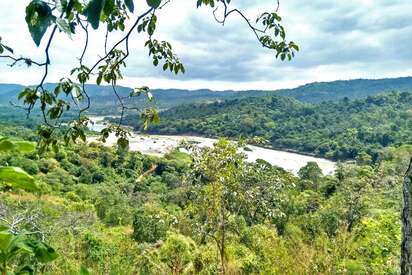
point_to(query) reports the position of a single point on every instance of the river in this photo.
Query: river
(159, 145)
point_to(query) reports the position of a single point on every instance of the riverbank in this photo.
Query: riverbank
(159, 145)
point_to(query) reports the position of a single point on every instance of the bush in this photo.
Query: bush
(28, 165)
(98, 177)
(177, 252)
(150, 224)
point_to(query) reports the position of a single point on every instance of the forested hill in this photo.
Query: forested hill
(346, 129)
(104, 99)
(357, 88)
(9, 92)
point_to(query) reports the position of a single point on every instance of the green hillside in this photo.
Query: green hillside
(344, 129)
(118, 212)
(356, 88)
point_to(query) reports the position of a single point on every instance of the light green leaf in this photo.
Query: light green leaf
(64, 26)
(17, 178)
(24, 146)
(5, 240)
(150, 96)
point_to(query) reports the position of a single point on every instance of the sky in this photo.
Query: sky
(338, 39)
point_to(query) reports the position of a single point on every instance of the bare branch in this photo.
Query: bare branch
(227, 13)
(26, 60)
(125, 38)
(86, 43)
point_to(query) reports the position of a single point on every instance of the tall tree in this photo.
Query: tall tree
(406, 248)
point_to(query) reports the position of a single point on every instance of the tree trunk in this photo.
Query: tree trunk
(406, 247)
(222, 242)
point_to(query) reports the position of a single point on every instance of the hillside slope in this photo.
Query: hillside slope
(357, 88)
(345, 129)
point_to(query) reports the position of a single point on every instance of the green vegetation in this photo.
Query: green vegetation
(347, 129)
(118, 212)
(112, 211)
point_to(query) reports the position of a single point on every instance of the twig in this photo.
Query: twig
(28, 61)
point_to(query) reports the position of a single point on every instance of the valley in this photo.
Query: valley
(159, 145)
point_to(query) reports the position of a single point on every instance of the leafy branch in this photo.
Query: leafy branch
(67, 16)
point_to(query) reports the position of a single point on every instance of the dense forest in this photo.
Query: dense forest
(356, 88)
(110, 211)
(346, 129)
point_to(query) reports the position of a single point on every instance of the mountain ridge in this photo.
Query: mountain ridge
(314, 92)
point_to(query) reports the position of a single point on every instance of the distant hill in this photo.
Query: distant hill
(9, 92)
(357, 88)
(164, 97)
(104, 98)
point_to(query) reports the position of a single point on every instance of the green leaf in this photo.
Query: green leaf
(150, 116)
(17, 178)
(123, 143)
(109, 8)
(84, 271)
(129, 4)
(5, 240)
(93, 12)
(64, 26)
(45, 253)
(25, 270)
(6, 145)
(61, 5)
(3, 228)
(150, 96)
(154, 3)
(152, 25)
(38, 18)
(25, 146)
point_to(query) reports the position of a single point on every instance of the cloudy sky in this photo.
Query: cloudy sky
(338, 40)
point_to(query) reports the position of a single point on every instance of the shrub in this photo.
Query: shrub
(149, 224)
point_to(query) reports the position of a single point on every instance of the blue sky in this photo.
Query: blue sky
(338, 39)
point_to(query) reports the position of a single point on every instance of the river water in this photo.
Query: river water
(160, 145)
